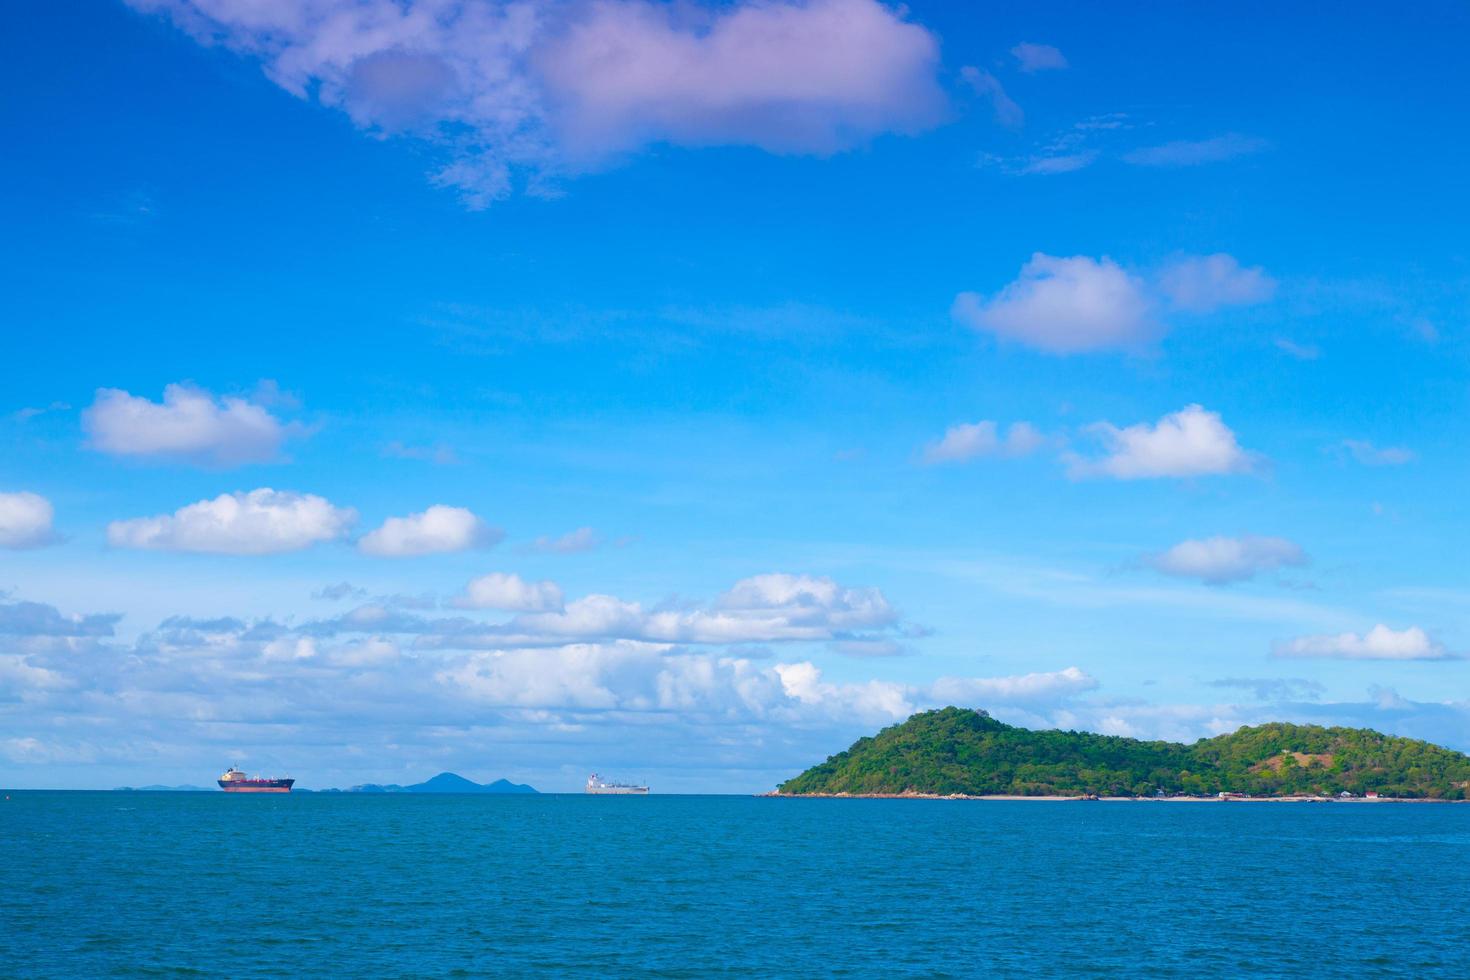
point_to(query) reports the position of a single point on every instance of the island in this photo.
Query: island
(964, 752)
(445, 782)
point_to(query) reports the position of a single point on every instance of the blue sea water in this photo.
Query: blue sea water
(183, 884)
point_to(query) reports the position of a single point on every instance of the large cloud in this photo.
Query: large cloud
(189, 424)
(544, 88)
(816, 76)
(25, 520)
(305, 693)
(260, 522)
(370, 704)
(1189, 442)
(1379, 643)
(1219, 560)
(437, 530)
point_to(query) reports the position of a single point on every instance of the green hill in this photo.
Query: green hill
(960, 751)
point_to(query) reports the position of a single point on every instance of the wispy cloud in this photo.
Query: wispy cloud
(1038, 57)
(573, 542)
(1193, 153)
(1007, 112)
(972, 440)
(1205, 283)
(1368, 454)
(439, 454)
(1274, 688)
(1302, 352)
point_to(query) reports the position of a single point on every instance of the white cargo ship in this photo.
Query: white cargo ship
(596, 784)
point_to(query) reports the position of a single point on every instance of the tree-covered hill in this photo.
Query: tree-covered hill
(960, 751)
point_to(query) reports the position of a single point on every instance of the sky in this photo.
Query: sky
(682, 391)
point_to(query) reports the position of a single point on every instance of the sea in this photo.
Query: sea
(136, 884)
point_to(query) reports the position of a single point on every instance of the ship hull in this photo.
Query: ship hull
(257, 786)
(619, 791)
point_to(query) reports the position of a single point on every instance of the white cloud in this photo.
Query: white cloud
(152, 706)
(969, 440)
(1219, 560)
(1078, 304)
(807, 599)
(811, 77)
(1007, 112)
(1066, 305)
(25, 520)
(531, 89)
(1204, 283)
(1191, 153)
(372, 651)
(1038, 687)
(260, 522)
(500, 590)
(769, 608)
(1189, 442)
(438, 530)
(1379, 643)
(582, 539)
(1038, 57)
(189, 424)
(36, 619)
(1370, 455)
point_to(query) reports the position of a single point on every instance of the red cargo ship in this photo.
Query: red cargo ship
(235, 781)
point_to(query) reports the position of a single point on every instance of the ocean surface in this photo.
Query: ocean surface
(188, 884)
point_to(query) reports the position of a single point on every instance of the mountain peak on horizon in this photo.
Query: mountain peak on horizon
(446, 782)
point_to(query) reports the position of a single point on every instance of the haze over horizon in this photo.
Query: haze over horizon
(681, 391)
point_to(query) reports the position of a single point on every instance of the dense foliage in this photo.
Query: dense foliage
(959, 751)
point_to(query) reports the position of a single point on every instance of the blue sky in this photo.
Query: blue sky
(774, 370)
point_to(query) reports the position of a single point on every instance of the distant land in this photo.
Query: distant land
(961, 752)
(445, 782)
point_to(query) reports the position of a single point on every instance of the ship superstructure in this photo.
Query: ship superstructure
(235, 781)
(602, 787)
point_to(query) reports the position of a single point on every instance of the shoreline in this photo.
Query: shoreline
(1012, 798)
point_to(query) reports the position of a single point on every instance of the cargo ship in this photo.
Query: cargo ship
(235, 781)
(597, 785)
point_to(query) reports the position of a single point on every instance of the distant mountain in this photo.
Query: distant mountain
(446, 782)
(166, 789)
(959, 751)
